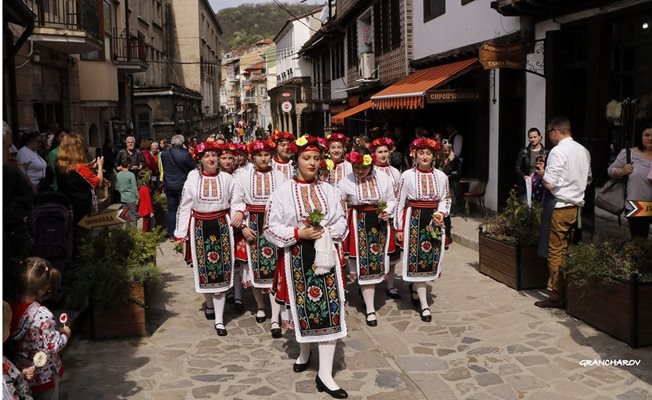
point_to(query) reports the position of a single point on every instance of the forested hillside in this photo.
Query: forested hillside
(246, 24)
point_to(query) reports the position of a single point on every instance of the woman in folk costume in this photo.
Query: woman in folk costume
(370, 198)
(251, 191)
(241, 161)
(282, 161)
(337, 153)
(382, 148)
(304, 218)
(203, 220)
(226, 162)
(421, 205)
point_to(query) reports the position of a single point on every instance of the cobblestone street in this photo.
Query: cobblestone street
(486, 341)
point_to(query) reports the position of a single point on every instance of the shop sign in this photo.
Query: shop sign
(286, 106)
(452, 96)
(286, 94)
(105, 218)
(494, 56)
(640, 208)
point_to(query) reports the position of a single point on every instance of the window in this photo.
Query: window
(466, 2)
(109, 22)
(387, 26)
(352, 45)
(377, 29)
(395, 15)
(142, 123)
(337, 65)
(433, 9)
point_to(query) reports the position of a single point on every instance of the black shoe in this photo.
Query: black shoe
(209, 315)
(301, 367)
(260, 320)
(238, 305)
(393, 293)
(276, 332)
(230, 297)
(413, 293)
(336, 394)
(373, 322)
(550, 303)
(426, 318)
(220, 331)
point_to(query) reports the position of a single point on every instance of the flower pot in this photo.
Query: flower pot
(125, 320)
(622, 309)
(517, 267)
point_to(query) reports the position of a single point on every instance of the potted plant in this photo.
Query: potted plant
(113, 271)
(160, 204)
(610, 288)
(508, 246)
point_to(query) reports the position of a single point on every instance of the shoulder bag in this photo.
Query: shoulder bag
(611, 197)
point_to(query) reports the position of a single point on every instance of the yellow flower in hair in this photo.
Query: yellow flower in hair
(330, 164)
(302, 141)
(366, 160)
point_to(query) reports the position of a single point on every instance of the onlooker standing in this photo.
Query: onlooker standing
(455, 138)
(136, 159)
(526, 161)
(29, 159)
(177, 163)
(145, 209)
(125, 183)
(52, 156)
(639, 187)
(566, 176)
(152, 163)
(450, 164)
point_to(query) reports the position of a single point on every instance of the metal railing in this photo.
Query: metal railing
(128, 46)
(80, 15)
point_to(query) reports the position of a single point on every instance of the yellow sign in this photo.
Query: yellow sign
(452, 96)
(640, 208)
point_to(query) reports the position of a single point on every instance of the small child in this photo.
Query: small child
(145, 209)
(14, 385)
(125, 183)
(34, 329)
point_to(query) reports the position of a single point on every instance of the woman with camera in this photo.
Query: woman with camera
(526, 163)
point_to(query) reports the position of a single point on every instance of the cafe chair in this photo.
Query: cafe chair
(476, 191)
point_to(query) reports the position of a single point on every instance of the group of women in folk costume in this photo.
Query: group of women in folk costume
(293, 224)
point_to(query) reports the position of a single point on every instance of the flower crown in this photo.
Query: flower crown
(424, 143)
(337, 137)
(356, 158)
(328, 164)
(241, 148)
(227, 148)
(307, 142)
(261, 145)
(384, 141)
(203, 147)
(279, 136)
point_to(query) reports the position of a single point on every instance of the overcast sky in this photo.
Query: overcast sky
(220, 4)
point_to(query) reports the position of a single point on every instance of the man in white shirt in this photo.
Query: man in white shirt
(566, 175)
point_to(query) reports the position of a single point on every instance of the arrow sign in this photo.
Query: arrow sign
(111, 217)
(640, 208)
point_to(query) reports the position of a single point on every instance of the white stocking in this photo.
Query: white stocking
(304, 353)
(276, 308)
(421, 287)
(219, 299)
(260, 302)
(326, 358)
(368, 296)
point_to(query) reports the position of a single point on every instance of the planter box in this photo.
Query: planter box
(517, 267)
(622, 309)
(124, 321)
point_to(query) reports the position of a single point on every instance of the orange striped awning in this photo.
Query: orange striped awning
(410, 92)
(338, 119)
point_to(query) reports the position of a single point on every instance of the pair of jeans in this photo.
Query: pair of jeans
(173, 199)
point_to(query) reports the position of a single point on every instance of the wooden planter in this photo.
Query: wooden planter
(124, 321)
(517, 267)
(622, 309)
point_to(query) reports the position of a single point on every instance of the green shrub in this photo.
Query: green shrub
(518, 223)
(108, 262)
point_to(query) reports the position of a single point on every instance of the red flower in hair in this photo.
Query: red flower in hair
(203, 147)
(292, 148)
(337, 137)
(278, 136)
(387, 142)
(355, 157)
(424, 143)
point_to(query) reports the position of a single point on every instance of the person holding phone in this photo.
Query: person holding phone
(526, 163)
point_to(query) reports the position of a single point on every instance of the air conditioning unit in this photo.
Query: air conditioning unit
(366, 65)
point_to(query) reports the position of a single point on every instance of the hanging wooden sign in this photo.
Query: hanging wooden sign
(494, 55)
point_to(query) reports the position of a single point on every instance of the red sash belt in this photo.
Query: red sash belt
(365, 207)
(422, 204)
(210, 215)
(256, 208)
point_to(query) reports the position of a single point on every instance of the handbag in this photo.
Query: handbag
(611, 197)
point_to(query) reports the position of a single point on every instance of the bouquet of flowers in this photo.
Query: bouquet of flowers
(314, 218)
(382, 206)
(179, 246)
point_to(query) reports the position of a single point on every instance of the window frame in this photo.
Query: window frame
(430, 14)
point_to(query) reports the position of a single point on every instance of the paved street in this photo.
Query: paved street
(486, 341)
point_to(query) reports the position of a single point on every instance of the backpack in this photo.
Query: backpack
(52, 230)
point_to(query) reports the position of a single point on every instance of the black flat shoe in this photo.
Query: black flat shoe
(230, 297)
(220, 331)
(336, 394)
(415, 301)
(276, 332)
(209, 315)
(301, 367)
(238, 305)
(262, 319)
(393, 293)
(373, 322)
(426, 318)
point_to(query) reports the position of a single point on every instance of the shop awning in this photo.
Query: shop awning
(338, 119)
(410, 92)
